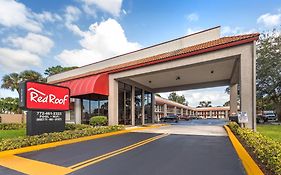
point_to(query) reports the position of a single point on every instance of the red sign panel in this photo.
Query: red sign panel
(45, 96)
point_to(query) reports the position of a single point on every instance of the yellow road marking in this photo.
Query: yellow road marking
(114, 153)
(32, 167)
(70, 141)
(249, 164)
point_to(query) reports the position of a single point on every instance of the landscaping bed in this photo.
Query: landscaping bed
(72, 131)
(264, 150)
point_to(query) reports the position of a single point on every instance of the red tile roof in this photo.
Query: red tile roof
(213, 45)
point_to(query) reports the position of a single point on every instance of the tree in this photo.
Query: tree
(11, 81)
(269, 69)
(57, 69)
(9, 105)
(176, 98)
(203, 104)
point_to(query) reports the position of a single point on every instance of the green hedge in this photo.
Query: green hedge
(19, 142)
(69, 126)
(98, 121)
(11, 126)
(268, 151)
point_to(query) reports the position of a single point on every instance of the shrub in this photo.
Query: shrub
(267, 151)
(69, 126)
(98, 121)
(19, 142)
(11, 126)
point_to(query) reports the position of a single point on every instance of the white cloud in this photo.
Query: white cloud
(101, 41)
(192, 17)
(110, 6)
(47, 16)
(228, 30)
(17, 60)
(72, 14)
(16, 14)
(33, 43)
(270, 20)
(216, 95)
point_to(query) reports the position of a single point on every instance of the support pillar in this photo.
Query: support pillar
(233, 99)
(113, 102)
(165, 110)
(77, 111)
(175, 110)
(248, 85)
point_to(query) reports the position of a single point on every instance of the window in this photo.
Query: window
(124, 104)
(138, 106)
(147, 107)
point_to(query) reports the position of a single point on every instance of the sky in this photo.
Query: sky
(40, 34)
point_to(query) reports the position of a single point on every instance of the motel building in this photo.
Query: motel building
(123, 87)
(164, 107)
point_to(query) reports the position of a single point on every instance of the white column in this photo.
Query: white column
(133, 106)
(113, 102)
(77, 111)
(233, 98)
(165, 109)
(175, 110)
(182, 111)
(248, 86)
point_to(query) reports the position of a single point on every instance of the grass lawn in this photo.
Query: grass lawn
(11, 133)
(272, 131)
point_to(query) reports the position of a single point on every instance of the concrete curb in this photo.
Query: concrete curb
(249, 164)
(70, 141)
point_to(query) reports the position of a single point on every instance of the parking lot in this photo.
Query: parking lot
(188, 147)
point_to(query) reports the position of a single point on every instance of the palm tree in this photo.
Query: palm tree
(11, 81)
(31, 75)
(203, 104)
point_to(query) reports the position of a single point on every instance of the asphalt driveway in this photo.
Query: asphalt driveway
(173, 149)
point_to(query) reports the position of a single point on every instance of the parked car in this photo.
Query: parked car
(266, 116)
(185, 117)
(270, 116)
(170, 118)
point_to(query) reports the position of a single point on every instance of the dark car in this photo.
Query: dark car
(170, 118)
(185, 117)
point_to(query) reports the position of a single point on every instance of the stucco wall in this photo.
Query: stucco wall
(12, 118)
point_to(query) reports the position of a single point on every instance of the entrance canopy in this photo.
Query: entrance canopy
(95, 84)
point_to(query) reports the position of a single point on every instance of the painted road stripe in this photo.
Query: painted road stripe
(32, 167)
(114, 153)
(249, 164)
(71, 141)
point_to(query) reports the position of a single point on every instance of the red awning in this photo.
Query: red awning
(97, 84)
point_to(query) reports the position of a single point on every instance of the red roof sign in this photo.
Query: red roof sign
(41, 96)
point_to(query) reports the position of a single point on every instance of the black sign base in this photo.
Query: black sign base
(39, 122)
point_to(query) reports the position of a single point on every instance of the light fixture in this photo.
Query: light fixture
(149, 81)
(178, 78)
(212, 71)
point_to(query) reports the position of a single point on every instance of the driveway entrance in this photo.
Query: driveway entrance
(183, 148)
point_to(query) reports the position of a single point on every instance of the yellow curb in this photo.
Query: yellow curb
(70, 141)
(32, 167)
(249, 164)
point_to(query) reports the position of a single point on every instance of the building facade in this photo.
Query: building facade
(122, 87)
(164, 107)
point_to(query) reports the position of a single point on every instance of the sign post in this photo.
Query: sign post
(242, 118)
(46, 105)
